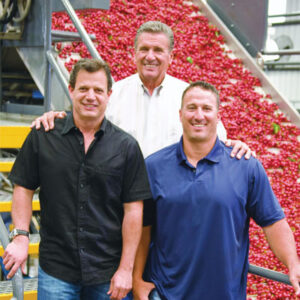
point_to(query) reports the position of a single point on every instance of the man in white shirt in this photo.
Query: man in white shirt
(147, 104)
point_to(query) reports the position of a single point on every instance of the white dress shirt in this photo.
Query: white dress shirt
(152, 119)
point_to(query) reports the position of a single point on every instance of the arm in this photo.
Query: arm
(17, 251)
(47, 119)
(121, 282)
(282, 243)
(141, 288)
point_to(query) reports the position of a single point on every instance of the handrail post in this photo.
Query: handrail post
(47, 47)
(59, 73)
(17, 281)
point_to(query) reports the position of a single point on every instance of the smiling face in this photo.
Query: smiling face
(152, 57)
(89, 96)
(199, 115)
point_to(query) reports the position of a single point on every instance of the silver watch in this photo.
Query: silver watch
(16, 232)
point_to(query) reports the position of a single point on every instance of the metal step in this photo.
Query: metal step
(13, 136)
(59, 36)
(35, 61)
(6, 201)
(30, 289)
(6, 164)
(33, 245)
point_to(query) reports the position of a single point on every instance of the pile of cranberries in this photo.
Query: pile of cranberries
(247, 113)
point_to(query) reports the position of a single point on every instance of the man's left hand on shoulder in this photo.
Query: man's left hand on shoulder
(240, 149)
(120, 284)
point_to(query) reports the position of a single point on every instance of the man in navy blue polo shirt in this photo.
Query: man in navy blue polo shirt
(202, 202)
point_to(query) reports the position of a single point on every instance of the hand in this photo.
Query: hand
(294, 274)
(142, 289)
(47, 119)
(120, 284)
(239, 149)
(16, 254)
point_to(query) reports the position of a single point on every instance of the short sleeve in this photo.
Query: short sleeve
(263, 205)
(25, 171)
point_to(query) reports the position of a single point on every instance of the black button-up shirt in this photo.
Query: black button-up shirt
(81, 196)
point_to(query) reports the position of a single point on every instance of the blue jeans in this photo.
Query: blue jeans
(51, 288)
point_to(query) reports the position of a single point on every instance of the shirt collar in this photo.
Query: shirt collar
(214, 155)
(157, 89)
(69, 125)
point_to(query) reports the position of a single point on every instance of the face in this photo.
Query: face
(199, 115)
(152, 57)
(90, 96)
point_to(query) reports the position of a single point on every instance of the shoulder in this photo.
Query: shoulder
(162, 156)
(119, 135)
(132, 79)
(243, 164)
(175, 81)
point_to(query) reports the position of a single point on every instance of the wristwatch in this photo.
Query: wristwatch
(16, 232)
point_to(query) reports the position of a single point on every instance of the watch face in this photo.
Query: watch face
(12, 234)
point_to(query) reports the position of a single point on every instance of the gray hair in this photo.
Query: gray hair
(204, 86)
(155, 27)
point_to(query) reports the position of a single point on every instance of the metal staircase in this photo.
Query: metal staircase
(36, 64)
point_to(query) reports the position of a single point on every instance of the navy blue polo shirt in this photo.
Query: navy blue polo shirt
(201, 221)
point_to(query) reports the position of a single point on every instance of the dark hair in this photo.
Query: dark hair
(91, 66)
(204, 86)
(155, 27)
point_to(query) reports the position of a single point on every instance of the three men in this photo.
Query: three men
(146, 104)
(202, 202)
(92, 181)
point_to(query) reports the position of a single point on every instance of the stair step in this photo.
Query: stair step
(60, 35)
(33, 245)
(6, 164)
(6, 201)
(13, 136)
(30, 289)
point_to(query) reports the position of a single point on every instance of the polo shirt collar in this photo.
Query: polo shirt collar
(69, 125)
(214, 155)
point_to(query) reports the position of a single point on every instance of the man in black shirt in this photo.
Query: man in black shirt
(92, 181)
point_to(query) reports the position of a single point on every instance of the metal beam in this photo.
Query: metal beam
(86, 39)
(59, 35)
(282, 52)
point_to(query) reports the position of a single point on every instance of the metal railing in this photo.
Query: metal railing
(51, 61)
(17, 280)
(269, 274)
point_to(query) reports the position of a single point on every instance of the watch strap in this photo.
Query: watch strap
(16, 232)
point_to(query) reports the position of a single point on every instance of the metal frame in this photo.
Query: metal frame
(290, 112)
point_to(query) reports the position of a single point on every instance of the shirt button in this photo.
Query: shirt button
(80, 229)
(194, 170)
(81, 142)
(81, 185)
(81, 207)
